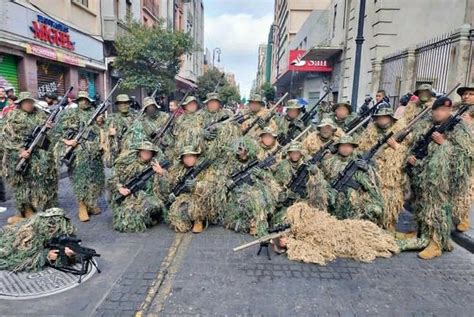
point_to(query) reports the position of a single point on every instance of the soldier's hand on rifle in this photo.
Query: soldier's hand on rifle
(52, 255)
(124, 191)
(158, 169)
(393, 143)
(438, 138)
(313, 169)
(25, 154)
(190, 183)
(362, 165)
(171, 198)
(261, 123)
(69, 252)
(210, 134)
(112, 131)
(72, 142)
(298, 124)
(49, 124)
(100, 119)
(229, 183)
(412, 160)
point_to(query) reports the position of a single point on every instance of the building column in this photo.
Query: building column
(460, 57)
(72, 79)
(28, 74)
(408, 79)
(376, 76)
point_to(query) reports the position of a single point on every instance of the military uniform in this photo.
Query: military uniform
(415, 107)
(140, 210)
(36, 189)
(315, 140)
(252, 116)
(23, 245)
(342, 123)
(265, 150)
(284, 123)
(363, 203)
(87, 169)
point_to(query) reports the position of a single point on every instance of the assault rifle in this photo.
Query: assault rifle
(265, 240)
(137, 182)
(305, 119)
(193, 172)
(225, 119)
(267, 117)
(84, 256)
(366, 115)
(38, 138)
(84, 131)
(344, 179)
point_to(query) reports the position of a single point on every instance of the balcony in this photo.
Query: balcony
(113, 28)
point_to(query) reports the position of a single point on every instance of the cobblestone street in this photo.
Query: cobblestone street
(163, 273)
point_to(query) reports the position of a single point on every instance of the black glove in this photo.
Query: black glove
(361, 164)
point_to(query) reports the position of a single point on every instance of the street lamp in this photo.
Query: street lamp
(358, 54)
(214, 51)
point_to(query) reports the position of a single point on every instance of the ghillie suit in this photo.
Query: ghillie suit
(342, 124)
(143, 129)
(249, 206)
(187, 130)
(23, 246)
(364, 203)
(138, 211)
(256, 130)
(284, 122)
(87, 169)
(315, 140)
(389, 166)
(317, 237)
(37, 189)
(435, 181)
(415, 107)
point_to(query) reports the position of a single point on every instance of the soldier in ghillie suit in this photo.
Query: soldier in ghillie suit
(146, 125)
(363, 203)
(326, 131)
(268, 143)
(390, 162)
(426, 97)
(23, 246)
(36, 189)
(185, 212)
(436, 180)
(464, 199)
(342, 114)
(187, 129)
(290, 119)
(250, 203)
(116, 126)
(139, 210)
(86, 171)
(256, 110)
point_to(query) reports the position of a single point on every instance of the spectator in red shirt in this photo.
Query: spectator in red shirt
(9, 107)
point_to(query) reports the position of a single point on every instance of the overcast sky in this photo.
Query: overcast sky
(238, 27)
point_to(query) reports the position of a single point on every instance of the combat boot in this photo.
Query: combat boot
(431, 251)
(14, 219)
(463, 226)
(198, 227)
(28, 212)
(253, 228)
(94, 210)
(83, 215)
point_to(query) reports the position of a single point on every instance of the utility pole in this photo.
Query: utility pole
(358, 54)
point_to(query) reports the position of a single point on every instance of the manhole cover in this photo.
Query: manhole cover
(27, 285)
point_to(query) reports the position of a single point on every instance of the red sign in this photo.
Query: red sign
(54, 54)
(52, 32)
(297, 64)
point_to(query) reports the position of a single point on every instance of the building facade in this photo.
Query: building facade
(51, 45)
(261, 65)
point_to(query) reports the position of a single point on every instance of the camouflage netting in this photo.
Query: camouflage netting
(181, 213)
(226, 134)
(254, 132)
(317, 237)
(211, 195)
(187, 131)
(317, 188)
(413, 108)
(23, 245)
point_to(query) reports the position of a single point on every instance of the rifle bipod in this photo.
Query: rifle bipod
(265, 245)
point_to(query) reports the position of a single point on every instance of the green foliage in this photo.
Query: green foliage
(212, 78)
(268, 91)
(229, 94)
(151, 56)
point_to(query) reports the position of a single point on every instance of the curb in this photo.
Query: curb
(464, 240)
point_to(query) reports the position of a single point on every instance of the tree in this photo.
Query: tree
(229, 94)
(151, 56)
(208, 82)
(268, 91)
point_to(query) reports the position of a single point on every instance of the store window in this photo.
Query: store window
(51, 79)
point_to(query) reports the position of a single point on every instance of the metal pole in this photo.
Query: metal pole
(358, 54)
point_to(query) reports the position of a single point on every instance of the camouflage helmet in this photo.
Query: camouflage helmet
(83, 95)
(149, 101)
(295, 146)
(384, 111)
(189, 149)
(52, 212)
(327, 121)
(256, 98)
(268, 130)
(122, 98)
(25, 95)
(343, 104)
(422, 87)
(346, 139)
(148, 146)
(293, 104)
(188, 100)
(212, 96)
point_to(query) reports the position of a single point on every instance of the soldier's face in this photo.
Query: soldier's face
(295, 156)
(213, 105)
(379, 96)
(424, 95)
(326, 131)
(468, 97)
(191, 107)
(255, 106)
(173, 106)
(27, 106)
(441, 114)
(189, 160)
(268, 139)
(123, 107)
(145, 155)
(83, 103)
(383, 121)
(293, 113)
(151, 111)
(345, 149)
(342, 112)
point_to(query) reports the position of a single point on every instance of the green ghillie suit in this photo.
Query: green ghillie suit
(363, 203)
(251, 116)
(140, 210)
(317, 237)
(87, 169)
(249, 205)
(389, 166)
(342, 123)
(284, 122)
(37, 189)
(436, 181)
(23, 246)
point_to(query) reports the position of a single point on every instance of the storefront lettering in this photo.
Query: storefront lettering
(52, 32)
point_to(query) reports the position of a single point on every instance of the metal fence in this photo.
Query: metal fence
(392, 71)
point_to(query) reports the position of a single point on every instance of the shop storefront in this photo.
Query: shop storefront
(9, 72)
